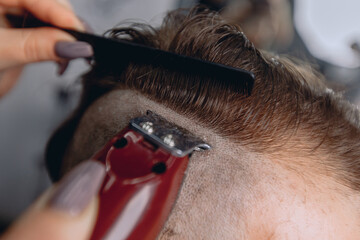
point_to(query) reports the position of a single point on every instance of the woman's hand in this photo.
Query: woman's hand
(67, 211)
(21, 46)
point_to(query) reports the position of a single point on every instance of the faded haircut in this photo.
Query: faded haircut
(291, 115)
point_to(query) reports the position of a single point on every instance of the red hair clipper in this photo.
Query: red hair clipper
(145, 165)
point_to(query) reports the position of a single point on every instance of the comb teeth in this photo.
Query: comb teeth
(176, 140)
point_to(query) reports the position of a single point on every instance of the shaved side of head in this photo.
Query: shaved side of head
(283, 159)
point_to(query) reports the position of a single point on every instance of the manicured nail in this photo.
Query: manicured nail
(86, 25)
(78, 188)
(66, 4)
(72, 50)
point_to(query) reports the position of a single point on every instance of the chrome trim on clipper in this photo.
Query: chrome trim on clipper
(178, 141)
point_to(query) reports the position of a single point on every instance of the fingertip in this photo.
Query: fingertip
(72, 50)
(79, 25)
(69, 21)
(58, 14)
(66, 4)
(86, 25)
(40, 44)
(66, 211)
(41, 47)
(75, 22)
(43, 222)
(78, 187)
(35, 45)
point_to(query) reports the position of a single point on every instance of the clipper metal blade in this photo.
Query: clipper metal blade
(178, 141)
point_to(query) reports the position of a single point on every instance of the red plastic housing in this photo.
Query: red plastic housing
(140, 189)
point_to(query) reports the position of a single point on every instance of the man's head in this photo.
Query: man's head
(285, 161)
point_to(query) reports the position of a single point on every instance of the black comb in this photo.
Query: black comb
(104, 48)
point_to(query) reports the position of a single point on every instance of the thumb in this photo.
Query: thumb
(67, 211)
(22, 46)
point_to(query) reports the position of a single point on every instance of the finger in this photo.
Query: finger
(13, 11)
(66, 213)
(66, 4)
(53, 12)
(21, 46)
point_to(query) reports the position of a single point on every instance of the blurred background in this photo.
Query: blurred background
(325, 33)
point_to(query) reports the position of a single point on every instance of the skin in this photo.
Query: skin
(19, 47)
(229, 192)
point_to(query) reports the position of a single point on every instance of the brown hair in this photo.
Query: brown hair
(290, 115)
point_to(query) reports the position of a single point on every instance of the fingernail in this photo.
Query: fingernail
(62, 66)
(78, 188)
(66, 4)
(72, 50)
(86, 25)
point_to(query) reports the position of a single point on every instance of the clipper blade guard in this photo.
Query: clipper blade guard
(178, 141)
(146, 164)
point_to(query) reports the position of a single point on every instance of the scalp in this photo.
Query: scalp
(291, 115)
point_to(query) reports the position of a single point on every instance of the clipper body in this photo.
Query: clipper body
(145, 163)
